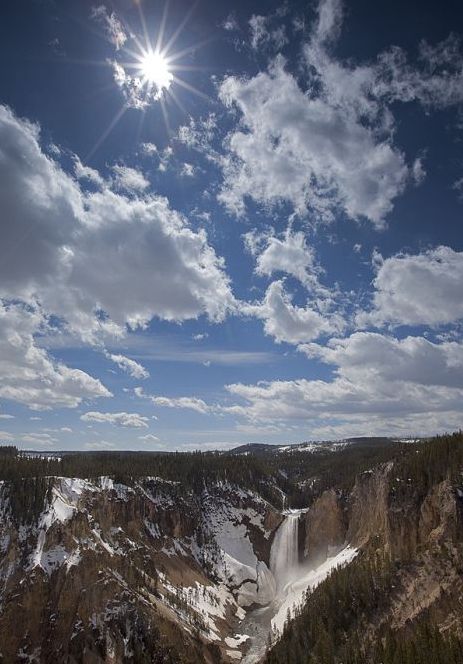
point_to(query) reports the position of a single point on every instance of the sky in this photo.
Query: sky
(229, 222)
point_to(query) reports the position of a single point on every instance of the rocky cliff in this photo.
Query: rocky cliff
(112, 573)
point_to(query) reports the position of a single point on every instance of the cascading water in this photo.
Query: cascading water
(284, 555)
(292, 579)
(284, 569)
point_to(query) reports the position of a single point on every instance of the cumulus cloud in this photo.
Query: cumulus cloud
(420, 289)
(371, 357)
(381, 385)
(129, 179)
(29, 374)
(74, 250)
(133, 420)
(328, 146)
(286, 322)
(289, 254)
(133, 368)
(296, 148)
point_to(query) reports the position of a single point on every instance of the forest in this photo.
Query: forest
(299, 476)
(338, 622)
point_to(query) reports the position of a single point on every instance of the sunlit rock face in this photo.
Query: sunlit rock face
(105, 562)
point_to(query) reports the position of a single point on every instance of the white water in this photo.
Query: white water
(284, 554)
(292, 579)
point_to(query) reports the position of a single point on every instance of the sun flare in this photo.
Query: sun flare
(154, 69)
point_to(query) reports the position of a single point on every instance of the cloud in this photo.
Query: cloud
(129, 179)
(290, 255)
(188, 403)
(286, 322)
(6, 436)
(262, 35)
(318, 403)
(149, 438)
(135, 369)
(136, 93)
(437, 83)
(29, 374)
(188, 170)
(113, 28)
(230, 24)
(327, 146)
(200, 336)
(40, 439)
(421, 289)
(86, 173)
(367, 90)
(329, 21)
(6, 416)
(74, 250)
(370, 357)
(296, 148)
(133, 420)
(381, 385)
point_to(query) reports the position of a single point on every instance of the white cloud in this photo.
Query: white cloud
(381, 385)
(317, 402)
(79, 256)
(113, 28)
(133, 420)
(297, 148)
(329, 21)
(29, 374)
(41, 439)
(200, 337)
(290, 255)
(262, 35)
(421, 289)
(149, 438)
(367, 90)
(134, 88)
(129, 179)
(329, 146)
(6, 416)
(230, 24)
(87, 173)
(188, 170)
(6, 436)
(367, 357)
(286, 322)
(188, 403)
(135, 369)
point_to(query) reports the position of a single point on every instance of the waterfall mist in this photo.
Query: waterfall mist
(284, 555)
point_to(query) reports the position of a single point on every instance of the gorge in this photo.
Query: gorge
(147, 568)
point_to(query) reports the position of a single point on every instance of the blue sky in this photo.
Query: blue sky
(229, 222)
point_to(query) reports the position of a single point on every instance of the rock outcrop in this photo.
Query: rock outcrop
(110, 572)
(325, 527)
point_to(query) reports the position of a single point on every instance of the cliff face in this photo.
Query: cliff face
(324, 527)
(112, 573)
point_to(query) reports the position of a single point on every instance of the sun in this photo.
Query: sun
(154, 70)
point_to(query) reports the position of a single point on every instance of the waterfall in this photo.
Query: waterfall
(284, 554)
